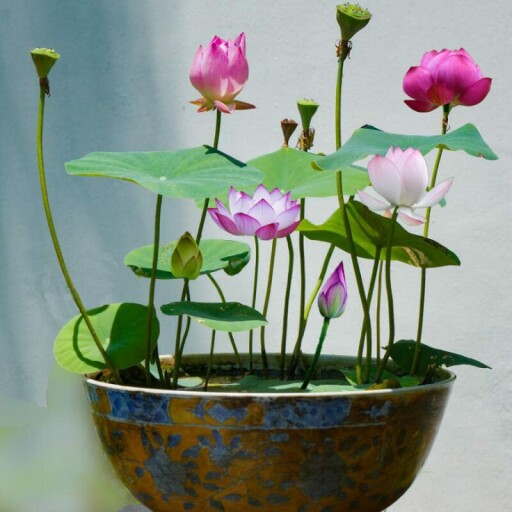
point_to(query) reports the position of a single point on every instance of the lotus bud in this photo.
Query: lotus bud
(186, 259)
(351, 18)
(333, 296)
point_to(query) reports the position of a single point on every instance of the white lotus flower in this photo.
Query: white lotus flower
(401, 178)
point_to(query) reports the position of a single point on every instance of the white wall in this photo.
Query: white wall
(122, 84)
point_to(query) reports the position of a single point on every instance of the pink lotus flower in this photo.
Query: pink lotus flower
(401, 178)
(333, 297)
(448, 77)
(219, 73)
(266, 215)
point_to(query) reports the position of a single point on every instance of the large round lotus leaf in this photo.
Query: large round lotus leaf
(194, 173)
(122, 330)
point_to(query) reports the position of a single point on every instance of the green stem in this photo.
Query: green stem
(339, 85)
(296, 350)
(363, 330)
(444, 125)
(312, 368)
(178, 349)
(210, 361)
(286, 306)
(178, 345)
(230, 335)
(152, 283)
(265, 306)
(207, 200)
(357, 271)
(379, 300)
(253, 303)
(389, 292)
(53, 234)
(302, 266)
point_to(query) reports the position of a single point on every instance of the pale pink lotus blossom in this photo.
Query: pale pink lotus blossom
(219, 73)
(266, 215)
(333, 296)
(401, 178)
(448, 77)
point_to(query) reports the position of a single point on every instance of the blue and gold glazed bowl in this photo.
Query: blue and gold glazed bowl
(301, 452)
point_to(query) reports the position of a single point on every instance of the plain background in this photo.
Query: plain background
(122, 84)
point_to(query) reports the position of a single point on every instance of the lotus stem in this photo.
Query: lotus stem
(444, 126)
(253, 303)
(210, 361)
(264, 358)
(151, 300)
(286, 306)
(389, 291)
(44, 87)
(318, 351)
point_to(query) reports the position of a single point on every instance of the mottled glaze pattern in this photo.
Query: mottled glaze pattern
(179, 451)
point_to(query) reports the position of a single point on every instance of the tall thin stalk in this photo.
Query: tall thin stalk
(179, 343)
(264, 358)
(253, 303)
(151, 299)
(53, 234)
(286, 306)
(444, 126)
(389, 292)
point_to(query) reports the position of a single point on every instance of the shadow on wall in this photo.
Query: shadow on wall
(104, 97)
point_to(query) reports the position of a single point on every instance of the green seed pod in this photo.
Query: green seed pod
(44, 59)
(351, 18)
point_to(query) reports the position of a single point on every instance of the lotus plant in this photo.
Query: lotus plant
(260, 205)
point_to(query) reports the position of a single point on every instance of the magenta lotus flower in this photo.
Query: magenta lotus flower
(219, 73)
(401, 178)
(333, 296)
(448, 77)
(266, 215)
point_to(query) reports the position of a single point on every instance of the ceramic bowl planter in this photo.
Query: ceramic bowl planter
(194, 450)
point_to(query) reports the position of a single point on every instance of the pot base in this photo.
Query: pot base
(318, 452)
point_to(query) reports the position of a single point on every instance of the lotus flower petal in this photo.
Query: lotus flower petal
(287, 230)
(223, 222)
(435, 195)
(417, 81)
(414, 174)
(267, 232)
(409, 217)
(246, 224)
(476, 92)
(421, 106)
(385, 178)
(374, 204)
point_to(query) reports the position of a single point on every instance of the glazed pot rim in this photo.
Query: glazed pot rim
(446, 382)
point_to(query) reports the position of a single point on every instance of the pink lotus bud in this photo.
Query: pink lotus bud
(266, 215)
(219, 73)
(448, 77)
(333, 297)
(401, 178)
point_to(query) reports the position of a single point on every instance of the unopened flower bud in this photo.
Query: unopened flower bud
(333, 297)
(44, 59)
(186, 259)
(351, 18)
